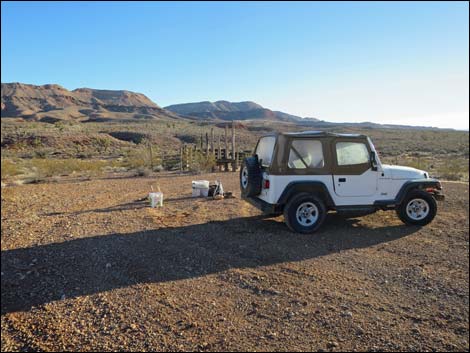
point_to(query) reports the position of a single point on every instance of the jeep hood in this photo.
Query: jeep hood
(400, 172)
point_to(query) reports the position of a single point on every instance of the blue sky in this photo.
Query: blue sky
(404, 63)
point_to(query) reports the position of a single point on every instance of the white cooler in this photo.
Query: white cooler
(200, 188)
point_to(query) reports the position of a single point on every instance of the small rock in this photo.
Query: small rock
(271, 335)
(332, 344)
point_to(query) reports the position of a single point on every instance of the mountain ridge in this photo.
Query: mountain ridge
(52, 102)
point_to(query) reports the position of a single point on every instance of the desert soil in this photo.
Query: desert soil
(89, 266)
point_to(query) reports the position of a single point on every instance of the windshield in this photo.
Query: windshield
(265, 150)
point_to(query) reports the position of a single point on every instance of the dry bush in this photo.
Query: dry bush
(144, 156)
(202, 162)
(10, 168)
(453, 169)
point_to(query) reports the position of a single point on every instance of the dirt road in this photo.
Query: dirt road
(87, 266)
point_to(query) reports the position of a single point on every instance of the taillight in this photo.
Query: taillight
(266, 184)
(430, 189)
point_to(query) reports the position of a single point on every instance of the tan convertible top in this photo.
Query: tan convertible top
(314, 134)
(281, 153)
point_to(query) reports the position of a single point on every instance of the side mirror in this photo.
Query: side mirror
(373, 161)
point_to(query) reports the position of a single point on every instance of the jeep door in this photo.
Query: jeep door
(353, 175)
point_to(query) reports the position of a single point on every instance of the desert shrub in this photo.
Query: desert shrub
(158, 168)
(55, 167)
(418, 163)
(146, 155)
(142, 171)
(10, 168)
(453, 169)
(40, 154)
(202, 163)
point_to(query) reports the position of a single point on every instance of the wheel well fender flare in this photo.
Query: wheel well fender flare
(316, 187)
(419, 184)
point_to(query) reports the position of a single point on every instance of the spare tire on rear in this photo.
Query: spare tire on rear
(250, 176)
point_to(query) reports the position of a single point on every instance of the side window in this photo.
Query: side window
(351, 153)
(265, 150)
(306, 154)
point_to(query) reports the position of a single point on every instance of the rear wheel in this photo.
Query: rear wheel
(305, 213)
(418, 208)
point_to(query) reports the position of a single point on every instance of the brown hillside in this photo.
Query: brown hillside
(51, 102)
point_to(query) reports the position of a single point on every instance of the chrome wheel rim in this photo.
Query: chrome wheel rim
(244, 177)
(417, 209)
(307, 214)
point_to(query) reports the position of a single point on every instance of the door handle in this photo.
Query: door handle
(342, 180)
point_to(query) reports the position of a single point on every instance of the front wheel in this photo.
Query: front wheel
(305, 213)
(418, 208)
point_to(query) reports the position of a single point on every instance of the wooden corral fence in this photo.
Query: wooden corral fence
(226, 156)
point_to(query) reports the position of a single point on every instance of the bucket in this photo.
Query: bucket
(156, 199)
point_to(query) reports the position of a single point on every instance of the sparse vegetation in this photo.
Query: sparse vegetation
(10, 168)
(202, 163)
(154, 145)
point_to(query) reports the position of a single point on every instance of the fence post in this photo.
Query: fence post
(212, 141)
(234, 160)
(181, 157)
(226, 140)
(219, 153)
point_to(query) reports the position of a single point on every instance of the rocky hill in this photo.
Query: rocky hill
(53, 102)
(224, 110)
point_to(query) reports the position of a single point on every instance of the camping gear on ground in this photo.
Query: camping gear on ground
(228, 195)
(216, 190)
(156, 199)
(200, 188)
(219, 190)
(212, 188)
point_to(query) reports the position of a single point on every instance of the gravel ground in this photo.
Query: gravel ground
(89, 266)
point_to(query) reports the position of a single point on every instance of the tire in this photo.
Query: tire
(250, 177)
(293, 213)
(425, 211)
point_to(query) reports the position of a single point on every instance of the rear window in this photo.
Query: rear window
(265, 150)
(306, 154)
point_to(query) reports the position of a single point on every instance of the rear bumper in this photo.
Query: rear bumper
(438, 196)
(262, 205)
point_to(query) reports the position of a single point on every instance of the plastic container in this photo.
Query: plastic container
(200, 188)
(156, 199)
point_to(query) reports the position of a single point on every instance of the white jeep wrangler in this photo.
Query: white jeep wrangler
(306, 174)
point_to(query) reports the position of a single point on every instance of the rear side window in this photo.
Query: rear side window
(306, 154)
(351, 153)
(265, 150)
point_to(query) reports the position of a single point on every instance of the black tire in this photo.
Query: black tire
(250, 184)
(291, 208)
(419, 195)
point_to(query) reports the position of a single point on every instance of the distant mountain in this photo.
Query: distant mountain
(210, 107)
(52, 102)
(224, 110)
